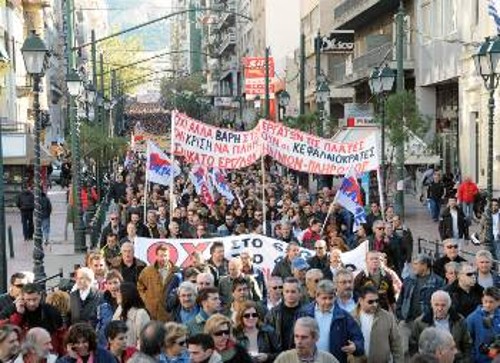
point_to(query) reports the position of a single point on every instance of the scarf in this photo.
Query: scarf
(229, 352)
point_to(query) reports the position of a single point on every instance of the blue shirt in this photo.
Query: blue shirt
(189, 315)
(183, 358)
(324, 320)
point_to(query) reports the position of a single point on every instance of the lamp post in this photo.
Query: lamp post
(284, 101)
(90, 96)
(35, 55)
(322, 96)
(257, 104)
(487, 62)
(74, 84)
(381, 82)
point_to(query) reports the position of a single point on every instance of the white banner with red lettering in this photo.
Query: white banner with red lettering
(221, 148)
(267, 251)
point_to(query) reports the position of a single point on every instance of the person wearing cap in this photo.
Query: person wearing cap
(415, 296)
(450, 246)
(484, 324)
(321, 259)
(299, 269)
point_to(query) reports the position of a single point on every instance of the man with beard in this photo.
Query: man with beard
(9, 342)
(37, 347)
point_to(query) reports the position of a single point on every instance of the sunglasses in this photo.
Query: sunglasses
(319, 248)
(19, 286)
(181, 343)
(251, 315)
(451, 246)
(470, 274)
(371, 302)
(277, 287)
(379, 228)
(221, 333)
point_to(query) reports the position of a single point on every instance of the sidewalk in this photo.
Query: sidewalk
(59, 254)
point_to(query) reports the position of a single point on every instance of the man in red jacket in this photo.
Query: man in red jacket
(466, 193)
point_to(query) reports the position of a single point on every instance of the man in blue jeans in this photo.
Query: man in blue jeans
(26, 204)
(435, 193)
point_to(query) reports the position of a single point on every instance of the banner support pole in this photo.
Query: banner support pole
(148, 151)
(172, 159)
(263, 170)
(380, 182)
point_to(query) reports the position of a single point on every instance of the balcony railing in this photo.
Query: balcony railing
(350, 10)
(374, 57)
(228, 39)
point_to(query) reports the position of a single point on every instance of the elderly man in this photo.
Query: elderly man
(380, 331)
(152, 225)
(130, 267)
(306, 334)
(187, 308)
(450, 246)
(376, 276)
(486, 277)
(338, 332)
(299, 269)
(204, 280)
(335, 264)
(344, 282)
(321, 259)
(37, 347)
(85, 299)
(444, 318)
(286, 233)
(465, 292)
(226, 282)
(249, 269)
(283, 268)
(313, 276)
(114, 226)
(439, 344)
(275, 288)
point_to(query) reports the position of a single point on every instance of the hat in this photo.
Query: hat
(299, 263)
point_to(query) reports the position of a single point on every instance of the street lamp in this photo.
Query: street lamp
(35, 55)
(381, 82)
(284, 101)
(487, 62)
(322, 97)
(75, 88)
(257, 104)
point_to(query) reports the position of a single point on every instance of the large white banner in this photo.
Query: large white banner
(267, 251)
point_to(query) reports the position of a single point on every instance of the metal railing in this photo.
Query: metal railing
(96, 223)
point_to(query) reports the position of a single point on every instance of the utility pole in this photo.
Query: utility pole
(400, 154)
(302, 73)
(267, 100)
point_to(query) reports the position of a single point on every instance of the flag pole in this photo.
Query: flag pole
(148, 151)
(381, 193)
(263, 170)
(329, 212)
(172, 160)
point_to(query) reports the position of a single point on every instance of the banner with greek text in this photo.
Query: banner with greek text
(315, 155)
(215, 147)
(267, 251)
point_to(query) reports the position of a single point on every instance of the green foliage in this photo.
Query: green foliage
(186, 95)
(308, 122)
(402, 115)
(95, 143)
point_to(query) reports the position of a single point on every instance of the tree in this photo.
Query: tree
(308, 122)
(186, 95)
(95, 144)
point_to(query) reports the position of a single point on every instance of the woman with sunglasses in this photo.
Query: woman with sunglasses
(174, 350)
(218, 327)
(259, 339)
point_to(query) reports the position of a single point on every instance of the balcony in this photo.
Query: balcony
(228, 40)
(352, 14)
(225, 18)
(348, 73)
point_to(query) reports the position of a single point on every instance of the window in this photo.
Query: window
(426, 22)
(449, 13)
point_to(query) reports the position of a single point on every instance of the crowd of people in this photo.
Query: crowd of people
(149, 117)
(403, 306)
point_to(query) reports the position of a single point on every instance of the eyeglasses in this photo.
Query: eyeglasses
(451, 246)
(371, 302)
(470, 274)
(251, 315)
(181, 343)
(277, 287)
(379, 228)
(221, 333)
(113, 218)
(19, 286)
(319, 248)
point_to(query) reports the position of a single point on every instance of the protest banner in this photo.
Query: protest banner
(315, 155)
(215, 147)
(267, 251)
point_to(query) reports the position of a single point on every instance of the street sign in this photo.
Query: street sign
(339, 41)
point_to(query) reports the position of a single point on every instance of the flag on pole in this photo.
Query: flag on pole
(493, 11)
(349, 196)
(160, 168)
(221, 184)
(200, 178)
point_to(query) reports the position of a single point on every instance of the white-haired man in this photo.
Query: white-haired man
(486, 277)
(249, 269)
(37, 347)
(305, 336)
(187, 308)
(85, 299)
(438, 343)
(442, 317)
(130, 267)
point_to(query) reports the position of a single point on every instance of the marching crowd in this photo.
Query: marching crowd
(402, 307)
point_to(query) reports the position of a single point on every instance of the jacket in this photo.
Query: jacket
(226, 285)
(131, 274)
(342, 328)
(122, 233)
(385, 287)
(464, 303)
(46, 207)
(291, 356)
(152, 287)
(403, 305)
(458, 330)
(267, 341)
(466, 192)
(100, 356)
(283, 268)
(442, 261)
(446, 224)
(274, 318)
(84, 311)
(197, 325)
(6, 305)
(258, 275)
(482, 333)
(322, 264)
(385, 339)
(26, 201)
(136, 320)
(140, 357)
(104, 315)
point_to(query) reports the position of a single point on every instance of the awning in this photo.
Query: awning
(416, 150)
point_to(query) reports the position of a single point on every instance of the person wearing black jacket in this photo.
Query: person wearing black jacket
(46, 212)
(17, 282)
(450, 255)
(453, 223)
(85, 300)
(118, 189)
(465, 292)
(321, 260)
(114, 226)
(26, 204)
(435, 193)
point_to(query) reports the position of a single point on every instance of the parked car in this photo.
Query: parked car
(55, 176)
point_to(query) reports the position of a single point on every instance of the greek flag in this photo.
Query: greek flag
(493, 11)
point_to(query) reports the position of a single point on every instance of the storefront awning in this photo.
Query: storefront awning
(416, 150)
